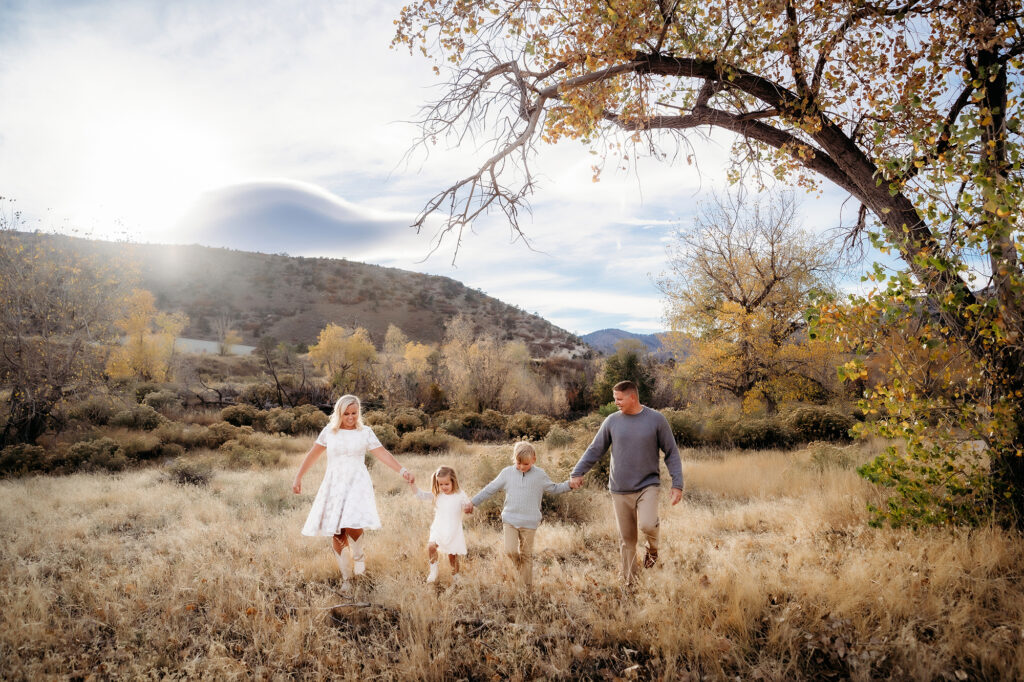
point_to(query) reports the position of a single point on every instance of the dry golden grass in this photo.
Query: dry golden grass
(768, 571)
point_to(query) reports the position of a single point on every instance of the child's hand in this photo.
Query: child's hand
(468, 508)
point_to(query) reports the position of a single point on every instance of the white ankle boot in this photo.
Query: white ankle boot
(432, 576)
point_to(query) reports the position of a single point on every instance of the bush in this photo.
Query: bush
(190, 473)
(277, 420)
(685, 427)
(760, 434)
(558, 438)
(717, 429)
(813, 422)
(144, 388)
(528, 426)
(141, 417)
(308, 419)
(218, 434)
(96, 410)
(825, 456)
(241, 455)
(163, 401)
(375, 417)
(102, 453)
(18, 460)
(186, 436)
(488, 425)
(239, 415)
(387, 435)
(424, 441)
(259, 395)
(608, 409)
(406, 419)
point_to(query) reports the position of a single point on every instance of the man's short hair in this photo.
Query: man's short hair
(625, 387)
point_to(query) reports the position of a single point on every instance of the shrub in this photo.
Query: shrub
(241, 455)
(607, 409)
(825, 456)
(144, 388)
(96, 410)
(760, 434)
(387, 435)
(406, 419)
(187, 436)
(558, 437)
(218, 434)
(685, 427)
(101, 453)
(277, 420)
(717, 429)
(309, 419)
(20, 459)
(242, 414)
(141, 446)
(375, 417)
(141, 417)
(528, 426)
(424, 441)
(190, 473)
(813, 422)
(259, 395)
(163, 401)
(475, 426)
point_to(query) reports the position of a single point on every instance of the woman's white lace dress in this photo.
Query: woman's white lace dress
(345, 498)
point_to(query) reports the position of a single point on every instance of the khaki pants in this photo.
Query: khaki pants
(519, 548)
(633, 510)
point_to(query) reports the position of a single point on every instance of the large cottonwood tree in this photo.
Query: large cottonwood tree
(911, 106)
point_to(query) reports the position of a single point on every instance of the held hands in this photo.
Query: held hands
(575, 483)
(468, 507)
(407, 475)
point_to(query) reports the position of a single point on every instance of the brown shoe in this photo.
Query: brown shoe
(650, 558)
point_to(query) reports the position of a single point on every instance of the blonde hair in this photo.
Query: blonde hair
(443, 472)
(523, 451)
(339, 409)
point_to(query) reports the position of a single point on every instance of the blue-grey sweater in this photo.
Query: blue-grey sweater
(635, 440)
(523, 493)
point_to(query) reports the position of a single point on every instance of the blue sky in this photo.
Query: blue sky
(281, 127)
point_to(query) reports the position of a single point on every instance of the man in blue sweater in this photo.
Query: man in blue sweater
(635, 434)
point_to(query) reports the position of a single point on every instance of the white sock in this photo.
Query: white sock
(432, 576)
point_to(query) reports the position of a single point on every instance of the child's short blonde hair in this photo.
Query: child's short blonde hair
(523, 452)
(443, 472)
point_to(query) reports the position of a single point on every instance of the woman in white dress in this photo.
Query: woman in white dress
(344, 505)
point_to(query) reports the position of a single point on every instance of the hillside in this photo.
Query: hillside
(293, 298)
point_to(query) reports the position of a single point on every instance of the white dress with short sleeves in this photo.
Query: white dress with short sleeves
(446, 530)
(345, 498)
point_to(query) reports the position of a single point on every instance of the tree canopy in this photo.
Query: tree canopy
(911, 106)
(741, 278)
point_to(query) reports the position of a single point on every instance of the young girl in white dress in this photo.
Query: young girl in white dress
(446, 535)
(344, 505)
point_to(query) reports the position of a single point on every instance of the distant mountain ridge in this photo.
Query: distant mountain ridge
(293, 298)
(604, 340)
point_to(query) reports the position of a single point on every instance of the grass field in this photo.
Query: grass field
(768, 571)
